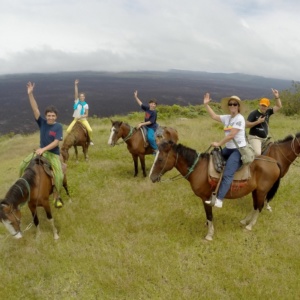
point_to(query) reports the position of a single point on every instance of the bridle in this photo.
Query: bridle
(129, 135)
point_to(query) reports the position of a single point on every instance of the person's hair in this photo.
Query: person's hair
(153, 100)
(51, 109)
(81, 93)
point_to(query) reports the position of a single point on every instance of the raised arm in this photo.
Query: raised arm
(139, 102)
(212, 114)
(34, 106)
(278, 104)
(76, 89)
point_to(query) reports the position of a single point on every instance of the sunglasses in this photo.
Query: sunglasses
(232, 104)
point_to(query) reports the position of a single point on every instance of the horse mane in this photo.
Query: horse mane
(19, 188)
(288, 138)
(188, 153)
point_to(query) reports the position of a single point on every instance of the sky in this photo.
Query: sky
(220, 36)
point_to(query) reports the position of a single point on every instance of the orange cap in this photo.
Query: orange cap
(264, 101)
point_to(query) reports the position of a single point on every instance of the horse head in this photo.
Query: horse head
(11, 219)
(164, 161)
(64, 153)
(115, 132)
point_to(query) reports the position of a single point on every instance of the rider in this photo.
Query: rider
(234, 129)
(51, 133)
(149, 121)
(81, 112)
(258, 122)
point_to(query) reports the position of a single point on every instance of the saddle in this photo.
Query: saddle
(158, 134)
(44, 162)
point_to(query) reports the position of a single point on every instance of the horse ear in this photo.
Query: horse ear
(112, 122)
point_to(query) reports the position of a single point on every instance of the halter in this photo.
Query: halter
(129, 135)
(293, 146)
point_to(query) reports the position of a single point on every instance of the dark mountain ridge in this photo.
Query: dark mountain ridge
(110, 94)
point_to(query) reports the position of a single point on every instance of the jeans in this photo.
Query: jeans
(233, 163)
(151, 138)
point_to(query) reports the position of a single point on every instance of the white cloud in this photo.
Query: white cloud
(257, 37)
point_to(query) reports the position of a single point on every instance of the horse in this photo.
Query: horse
(136, 142)
(285, 151)
(78, 136)
(34, 188)
(263, 181)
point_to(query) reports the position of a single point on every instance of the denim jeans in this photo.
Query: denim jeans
(151, 138)
(233, 163)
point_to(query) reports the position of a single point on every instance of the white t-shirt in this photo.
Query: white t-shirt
(77, 111)
(237, 122)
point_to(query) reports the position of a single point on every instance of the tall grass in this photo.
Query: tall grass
(126, 238)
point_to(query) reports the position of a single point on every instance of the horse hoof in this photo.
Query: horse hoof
(56, 236)
(208, 238)
(269, 208)
(243, 222)
(249, 228)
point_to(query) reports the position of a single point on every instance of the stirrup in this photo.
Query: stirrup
(212, 200)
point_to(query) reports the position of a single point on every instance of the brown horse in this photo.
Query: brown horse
(77, 137)
(263, 182)
(135, 141)
(285, 151)
(33, 188)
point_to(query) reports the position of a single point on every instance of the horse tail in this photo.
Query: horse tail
(272, 192)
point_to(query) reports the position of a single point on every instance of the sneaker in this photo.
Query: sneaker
(218, 203)
(91, 143)
(57, 203)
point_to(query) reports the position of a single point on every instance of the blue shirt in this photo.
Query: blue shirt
(150, 115)
(49, 133)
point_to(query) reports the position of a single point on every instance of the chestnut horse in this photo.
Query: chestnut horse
(263, 182)
(135, 141)
(33, 188)
(285, 151)
(77, 137)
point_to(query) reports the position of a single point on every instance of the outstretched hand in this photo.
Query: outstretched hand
(135, 93)
(30, 87)
(275, 93)
(206, 99)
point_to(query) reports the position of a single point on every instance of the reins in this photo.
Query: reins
(179, 176)
(129, 135)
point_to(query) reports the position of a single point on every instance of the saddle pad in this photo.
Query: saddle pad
(242, 173)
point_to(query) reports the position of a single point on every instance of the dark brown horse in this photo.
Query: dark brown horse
(263, 182)
(285, 151)
(33, 188)
(135, 141)
(77, 137)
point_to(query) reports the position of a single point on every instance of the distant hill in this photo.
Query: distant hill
(110, 94)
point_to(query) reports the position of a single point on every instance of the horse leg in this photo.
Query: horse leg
(135, 162)
(142, 160)
(35, 218)
(253, 220)
(76, 153)
(51, 220)
(268, 207)
(85, 152)
(248, 218)
(209, 222)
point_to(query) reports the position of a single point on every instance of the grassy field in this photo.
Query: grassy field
(126, 238)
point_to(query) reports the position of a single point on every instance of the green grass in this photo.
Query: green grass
(126, 238)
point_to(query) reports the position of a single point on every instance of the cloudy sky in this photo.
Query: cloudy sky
(254, 37)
